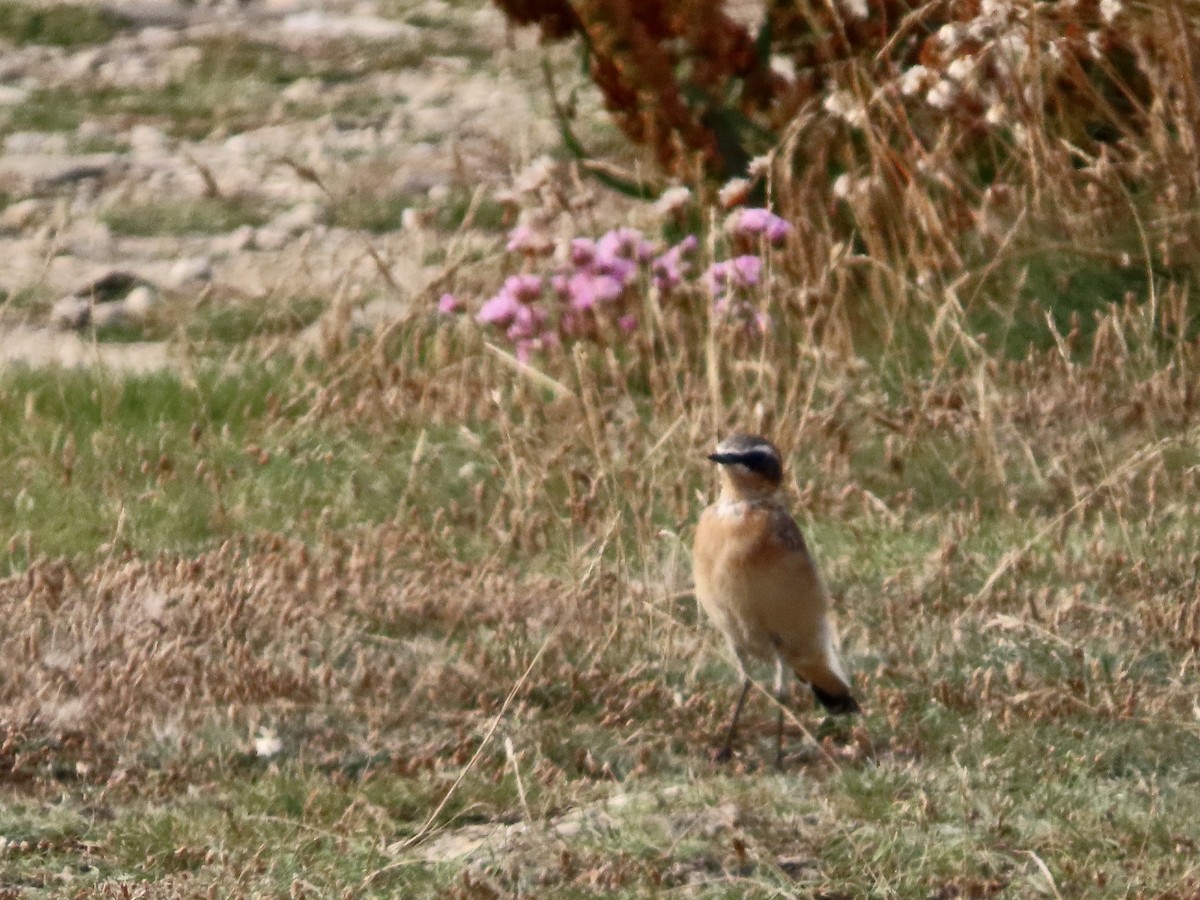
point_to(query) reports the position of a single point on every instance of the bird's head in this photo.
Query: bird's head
(750, 465)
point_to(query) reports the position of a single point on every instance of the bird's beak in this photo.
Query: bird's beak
(724, 459)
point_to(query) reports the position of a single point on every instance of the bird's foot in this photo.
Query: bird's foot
(722, 754)
(836, 728)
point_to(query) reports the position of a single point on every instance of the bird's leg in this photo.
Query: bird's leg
(727, 750)
(779, 694)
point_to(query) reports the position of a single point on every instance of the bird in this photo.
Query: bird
(758, 583)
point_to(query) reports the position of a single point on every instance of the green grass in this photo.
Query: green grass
(25, 300)
(488, 215)
(234, 85)
(48, 109)
(138, 480)
(1002, 753)
(98, 143)
(381, 212)
(1070, 290)
(60, 25)
(219, 326)
(901, 827)
(208, 215)
(233, 323)
(371, 211)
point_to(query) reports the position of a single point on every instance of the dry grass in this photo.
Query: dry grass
(433, 631)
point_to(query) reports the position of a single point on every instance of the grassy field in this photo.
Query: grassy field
(398, 615)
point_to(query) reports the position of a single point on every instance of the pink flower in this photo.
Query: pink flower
(623, 244)
(619, 242)
(525, 347)
(628, 323)
(499, 310)
(526, 239)
(739, 272)
(756, 221)
(778, 230)
(526, 322)
(448, 305)
(586, 289)
(572, 323)
(510, 303)
(623, 270)
(524, 288)
(717, 276)
(583, 251)
(686, 246)
(671, 266)
(747, 270)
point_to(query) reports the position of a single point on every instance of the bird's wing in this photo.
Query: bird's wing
(792, 604)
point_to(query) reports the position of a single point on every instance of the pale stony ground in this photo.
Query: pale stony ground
(428, 113)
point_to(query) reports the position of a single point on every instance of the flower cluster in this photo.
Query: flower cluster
(594, 287)
(753, 223)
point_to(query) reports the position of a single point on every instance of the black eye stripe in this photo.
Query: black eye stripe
(763, 462)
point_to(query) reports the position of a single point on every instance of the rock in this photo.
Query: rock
(413, 219)
(11, 96)
(300, 218)
(241, 238)
(35, 172)
(188, 272)
(88, 238)
(79, 66)
(146, 140)
(456, 65)
(38, 346)
(315, 24)
(141, 301)
(377, 312)
(158, 38)
(269, 238)
(110, 299)
(91, 129)
(179, 60)
(303, 90)
(110, 286)
(71, 312)
(107, 314)
(21, 143)
(22, 214)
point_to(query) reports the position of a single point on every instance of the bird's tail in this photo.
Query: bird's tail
(829, 684)
(838, 703)
(823, 672)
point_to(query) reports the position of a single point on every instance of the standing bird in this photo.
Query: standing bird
(757, 582)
